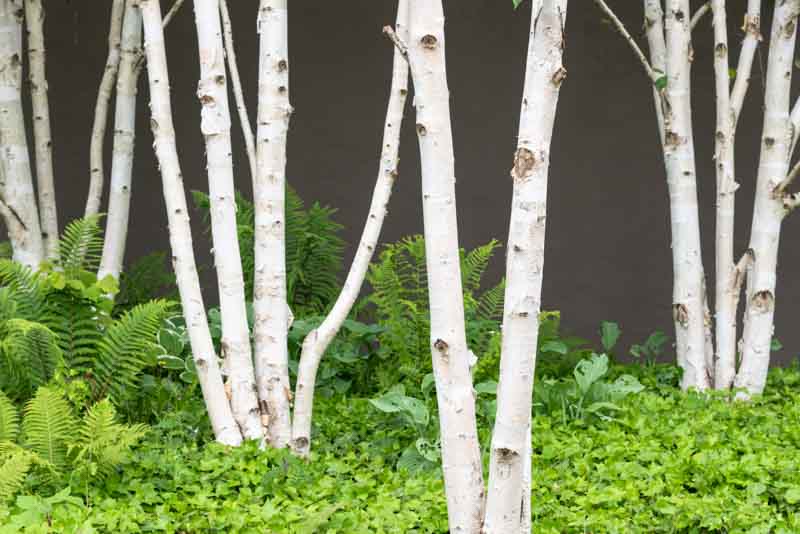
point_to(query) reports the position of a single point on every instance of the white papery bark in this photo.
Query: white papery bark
(688, 292)
(216, 128)
(317, 341)
(208, 372)
(729, 275)
(48, 215)
(524, 271)
(770, 203)
(19, 209)
(119, 191)
(269, 192)
(96, 171)
(244, 118)
(461, 459)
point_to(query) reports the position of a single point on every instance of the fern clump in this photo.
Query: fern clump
(314, 251)
(399, 282)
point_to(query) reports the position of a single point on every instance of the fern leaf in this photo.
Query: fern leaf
(474, 264)
(122, 351)
(12, 474)
(9, 420)
(102, 440)
(490, 304)
(25, 287)
(30, 357)
(48, 426)
(81, 246)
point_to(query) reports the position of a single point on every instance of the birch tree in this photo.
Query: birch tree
(758, 264)
(508, 493)
(461, 458)
(40, 103)
(96, 172)
(215, 126)
(270, 329)
(119, 194)
(208, 371)
(318, 340)
(18, 205)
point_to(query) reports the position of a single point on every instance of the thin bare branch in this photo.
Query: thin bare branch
(781, 188)
(389, 32)
(652, 74)
(172, 12)
(700, 13)
(236, 81)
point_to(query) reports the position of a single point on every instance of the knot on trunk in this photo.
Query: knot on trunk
(440, 345)
(429, 42)
(421, 130)
(524, 163)
(680, 314)
(672, 139)
(763, 301)
(752, 25)
(721, 49)
(559, 76)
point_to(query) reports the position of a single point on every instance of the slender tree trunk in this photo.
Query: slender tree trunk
(461, 457)
(17, 197)
(729, 275)
(244, 118)
(524, 270)
(216, 127)
(96, 171)
(317, 341)
(208, 372)
(770, 207)
(119, 193)
(688, 292)
(269, 191)
(34, 18)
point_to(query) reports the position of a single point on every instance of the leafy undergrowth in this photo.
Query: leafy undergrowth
(666, 462)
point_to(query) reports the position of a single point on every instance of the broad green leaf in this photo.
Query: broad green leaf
(587, 372)
(609, 335)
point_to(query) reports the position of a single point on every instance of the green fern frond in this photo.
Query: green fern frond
(48, 426)
(25, 287)
(490, 303)
(9, 420)
(79, 327)
(13, 471)
(29, 356)
(104, 442)
(474, 264)
(81, 245)
(121, 353)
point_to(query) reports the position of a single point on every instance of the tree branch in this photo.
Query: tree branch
(389, 32)
(781, 188)
(700, 13)
(172, 12)
(654, 77)
(238, 93)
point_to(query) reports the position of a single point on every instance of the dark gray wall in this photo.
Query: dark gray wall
(608, 253)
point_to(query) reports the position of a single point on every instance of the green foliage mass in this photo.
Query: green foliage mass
(313, 250)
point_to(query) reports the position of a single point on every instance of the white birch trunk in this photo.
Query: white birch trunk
(524, 270)
(208, 372)
(688, 306)
(317, 341)
(654, 30)
(729, 276)
(461, 459)
(48, 215)
(96, 171)
(119, 191)
(236, 82)
(216, 128)
(17, 196)
(769, 209)
(269, 192)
